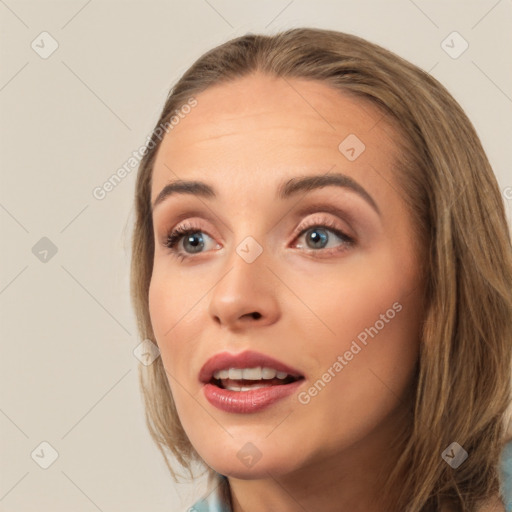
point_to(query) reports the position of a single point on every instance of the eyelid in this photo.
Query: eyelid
(326, 208)
(195, 223)
(322, 221)
(198, 223)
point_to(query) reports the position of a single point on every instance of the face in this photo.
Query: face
(322, 281)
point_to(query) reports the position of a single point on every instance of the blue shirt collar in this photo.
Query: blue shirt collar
(217, 500)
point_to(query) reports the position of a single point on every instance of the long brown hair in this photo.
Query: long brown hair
(463, 385)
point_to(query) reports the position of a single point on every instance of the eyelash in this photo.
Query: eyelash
(175, 236)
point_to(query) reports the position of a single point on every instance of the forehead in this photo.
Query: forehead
(259, 129)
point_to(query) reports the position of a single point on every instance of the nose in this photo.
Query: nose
(246, 295)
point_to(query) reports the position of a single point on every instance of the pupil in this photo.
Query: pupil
(195, 243)
(316, 238)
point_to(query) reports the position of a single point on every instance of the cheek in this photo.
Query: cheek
(378, 366)
(338, 304)
(167, 310)
(374, 373)
(369, 315)
(161, 307)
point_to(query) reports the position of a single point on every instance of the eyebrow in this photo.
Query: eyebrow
(286, 190)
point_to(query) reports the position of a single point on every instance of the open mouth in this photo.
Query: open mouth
(248, 379)
(247, 382)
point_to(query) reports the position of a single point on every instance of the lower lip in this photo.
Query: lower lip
(244, 402)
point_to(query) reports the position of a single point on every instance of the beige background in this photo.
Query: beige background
(68, 374)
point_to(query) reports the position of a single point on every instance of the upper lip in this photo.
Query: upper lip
(247, 359)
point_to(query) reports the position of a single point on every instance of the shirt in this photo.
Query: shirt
(218, 500)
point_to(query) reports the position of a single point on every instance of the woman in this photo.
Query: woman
(322, 256)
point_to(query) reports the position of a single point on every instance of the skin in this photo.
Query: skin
(245, 138)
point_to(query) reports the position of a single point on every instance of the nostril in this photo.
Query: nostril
(256, 315)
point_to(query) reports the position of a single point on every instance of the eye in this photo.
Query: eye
(317, 238)
(193, 239)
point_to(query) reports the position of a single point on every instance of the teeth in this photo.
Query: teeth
(245, 388)
(251, 373)
(257, 373)
(268, 373)
(235, 374)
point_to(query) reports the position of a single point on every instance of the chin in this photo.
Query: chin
(258, 470)
(246, 460)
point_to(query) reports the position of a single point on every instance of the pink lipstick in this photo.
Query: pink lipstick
(247, 382)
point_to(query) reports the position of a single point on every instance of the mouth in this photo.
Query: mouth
(247, 379)
(247, 382)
